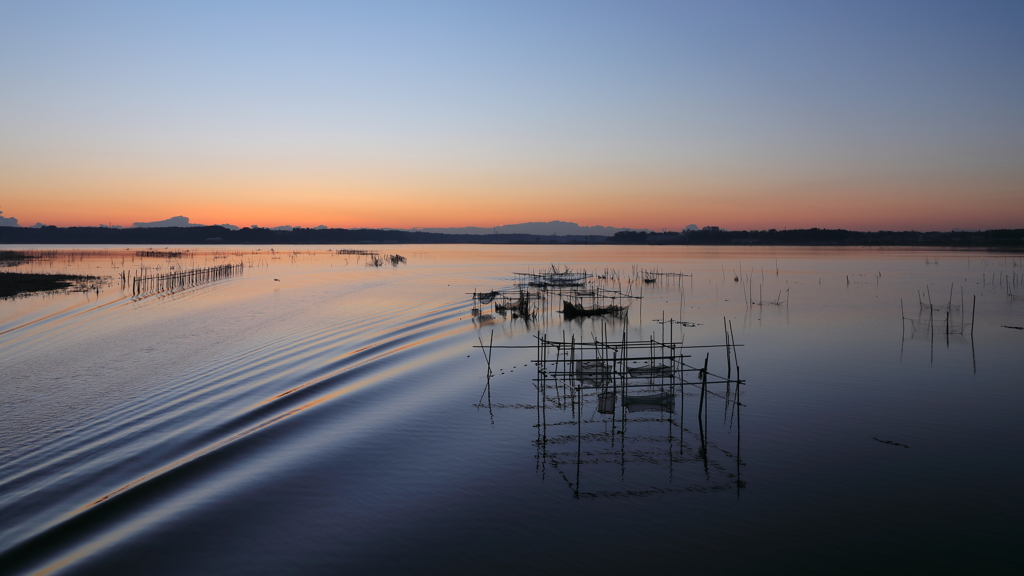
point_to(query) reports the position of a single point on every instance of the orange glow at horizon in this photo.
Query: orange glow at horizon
(457, 202)
(102, 191)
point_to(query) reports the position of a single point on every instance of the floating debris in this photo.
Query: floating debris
(890, 442)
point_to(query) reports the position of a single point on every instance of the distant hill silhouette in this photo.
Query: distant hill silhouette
(172, 222)
(555, 227)
(179, 222)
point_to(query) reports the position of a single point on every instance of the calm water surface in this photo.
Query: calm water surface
(316, 415)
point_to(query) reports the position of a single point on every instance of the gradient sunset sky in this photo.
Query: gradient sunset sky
(746, 115)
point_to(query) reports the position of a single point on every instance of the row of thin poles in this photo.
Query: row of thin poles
(144, 283)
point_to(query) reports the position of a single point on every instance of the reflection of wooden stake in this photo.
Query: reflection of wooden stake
(703, 388)
(487, 352)
(728, 357)
(974, 303)
(735, 354)
(641, 313)
(903, 328)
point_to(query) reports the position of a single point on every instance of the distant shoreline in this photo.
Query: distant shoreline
(214, 235)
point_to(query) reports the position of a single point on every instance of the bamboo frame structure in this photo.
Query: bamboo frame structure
(627, 384)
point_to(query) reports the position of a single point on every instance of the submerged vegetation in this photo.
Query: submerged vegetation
(12, 258)
(14, 284)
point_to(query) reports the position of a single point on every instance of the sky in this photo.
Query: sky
(746, 115)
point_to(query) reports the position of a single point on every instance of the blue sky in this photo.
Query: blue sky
(750, 115)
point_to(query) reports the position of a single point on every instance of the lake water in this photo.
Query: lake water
(313, 414)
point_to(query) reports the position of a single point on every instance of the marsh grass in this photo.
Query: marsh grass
(15, 284)
(10, 258)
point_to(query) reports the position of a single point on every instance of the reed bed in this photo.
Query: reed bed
(162, 254)
(16, 284)
(377, 260)
(10, 258)
(656, 275)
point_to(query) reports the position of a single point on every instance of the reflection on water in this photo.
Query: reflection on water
(317, 414)
(597, 385)
(950, 320)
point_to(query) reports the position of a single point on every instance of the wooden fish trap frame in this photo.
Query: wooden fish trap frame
(607, 404)
(528, 302)
(553, 279)
(508, 299)
(619, 378)
(635, 371)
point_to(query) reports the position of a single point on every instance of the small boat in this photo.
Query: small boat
(485, 297)
(570, 310)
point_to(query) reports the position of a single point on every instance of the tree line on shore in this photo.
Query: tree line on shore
(221, 235)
